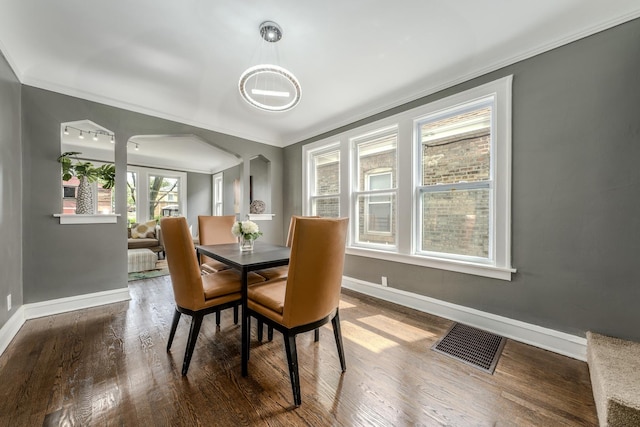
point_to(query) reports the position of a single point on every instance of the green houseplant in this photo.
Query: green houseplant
(86, 173)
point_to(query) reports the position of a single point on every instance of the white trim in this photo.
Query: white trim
(57, 306)
(10, 329)
(261, 217)
(444, 83)
(76, 302)
(476, 269)
(549, 339)
(87, 219)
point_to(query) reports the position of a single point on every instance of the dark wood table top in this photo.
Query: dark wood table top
(264, 255)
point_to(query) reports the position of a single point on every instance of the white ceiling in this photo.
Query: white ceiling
(181, 60)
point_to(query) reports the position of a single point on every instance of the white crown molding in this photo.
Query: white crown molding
(445, 84)
(89, 96)
(57, 306)
(548, 339)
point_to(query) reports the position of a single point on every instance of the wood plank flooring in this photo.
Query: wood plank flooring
(108, 366)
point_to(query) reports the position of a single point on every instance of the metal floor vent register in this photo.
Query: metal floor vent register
(472, 346)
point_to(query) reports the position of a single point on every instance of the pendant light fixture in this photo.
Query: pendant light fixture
(268, 86)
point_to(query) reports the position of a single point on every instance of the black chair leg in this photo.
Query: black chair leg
(174, 326)
(196, 322)
(292, 359)
(269, 333)
(235, 314)
(260, 330)
(316, 335)
(335, 322)
(218, 318)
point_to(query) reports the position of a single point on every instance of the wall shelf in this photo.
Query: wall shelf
(261, 217)
(87, 219)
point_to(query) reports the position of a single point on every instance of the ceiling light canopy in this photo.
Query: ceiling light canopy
(270, 87)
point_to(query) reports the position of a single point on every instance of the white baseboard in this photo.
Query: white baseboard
(57, 306)
(77, 302)
(548, 339)
(11, 328)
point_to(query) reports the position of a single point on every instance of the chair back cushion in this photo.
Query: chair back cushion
(183, 263)
(215, 230)
(315, 270)
(292, 225)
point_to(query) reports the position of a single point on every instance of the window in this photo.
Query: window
(217, 194)
(325, 182)
(164, 191)
(132, 194)
(378, 212)
(374, 195)
(429, 186)
(455, 188)
(162, 195)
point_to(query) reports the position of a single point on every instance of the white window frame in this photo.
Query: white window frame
(218, 206)
(459, 186)
(308, 171)
(407, 234)
(142, 199)
(369, 203)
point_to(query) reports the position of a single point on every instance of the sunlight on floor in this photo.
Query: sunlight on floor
(396, 328)
(367, 339)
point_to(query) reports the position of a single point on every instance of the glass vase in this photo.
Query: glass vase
(246, 245)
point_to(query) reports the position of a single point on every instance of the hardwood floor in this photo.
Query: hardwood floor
(108, 366)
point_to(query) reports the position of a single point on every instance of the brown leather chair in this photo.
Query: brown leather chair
(195, 294)
(309, 296)
(278, 272)
(215, 230)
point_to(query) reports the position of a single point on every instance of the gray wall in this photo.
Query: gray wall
(576, 197)
(10, 192)
(68, 260)
(199, 197)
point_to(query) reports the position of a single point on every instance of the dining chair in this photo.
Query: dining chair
(215, 230)
(279, 272)
(309, 296)
(195, 294)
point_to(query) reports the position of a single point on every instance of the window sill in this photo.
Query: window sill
(501, 273)
(87, 219)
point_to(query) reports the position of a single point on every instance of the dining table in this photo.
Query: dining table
(263, 255)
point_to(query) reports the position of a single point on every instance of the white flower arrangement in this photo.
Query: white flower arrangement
(247, 229)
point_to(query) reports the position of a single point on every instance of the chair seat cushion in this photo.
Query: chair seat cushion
(226, 282)
(269, 294)
(274, 273)
(211, 265)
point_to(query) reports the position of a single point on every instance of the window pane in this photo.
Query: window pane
(456, 222)
(132, 179)
(376, 157)
(164, 196)
(376, 219)
(326, 206)
(106, 200)
(326, 167)
(457, 149)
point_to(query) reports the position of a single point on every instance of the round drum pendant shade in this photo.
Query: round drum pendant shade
(270, 88)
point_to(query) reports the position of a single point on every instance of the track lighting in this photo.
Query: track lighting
(95, 134)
